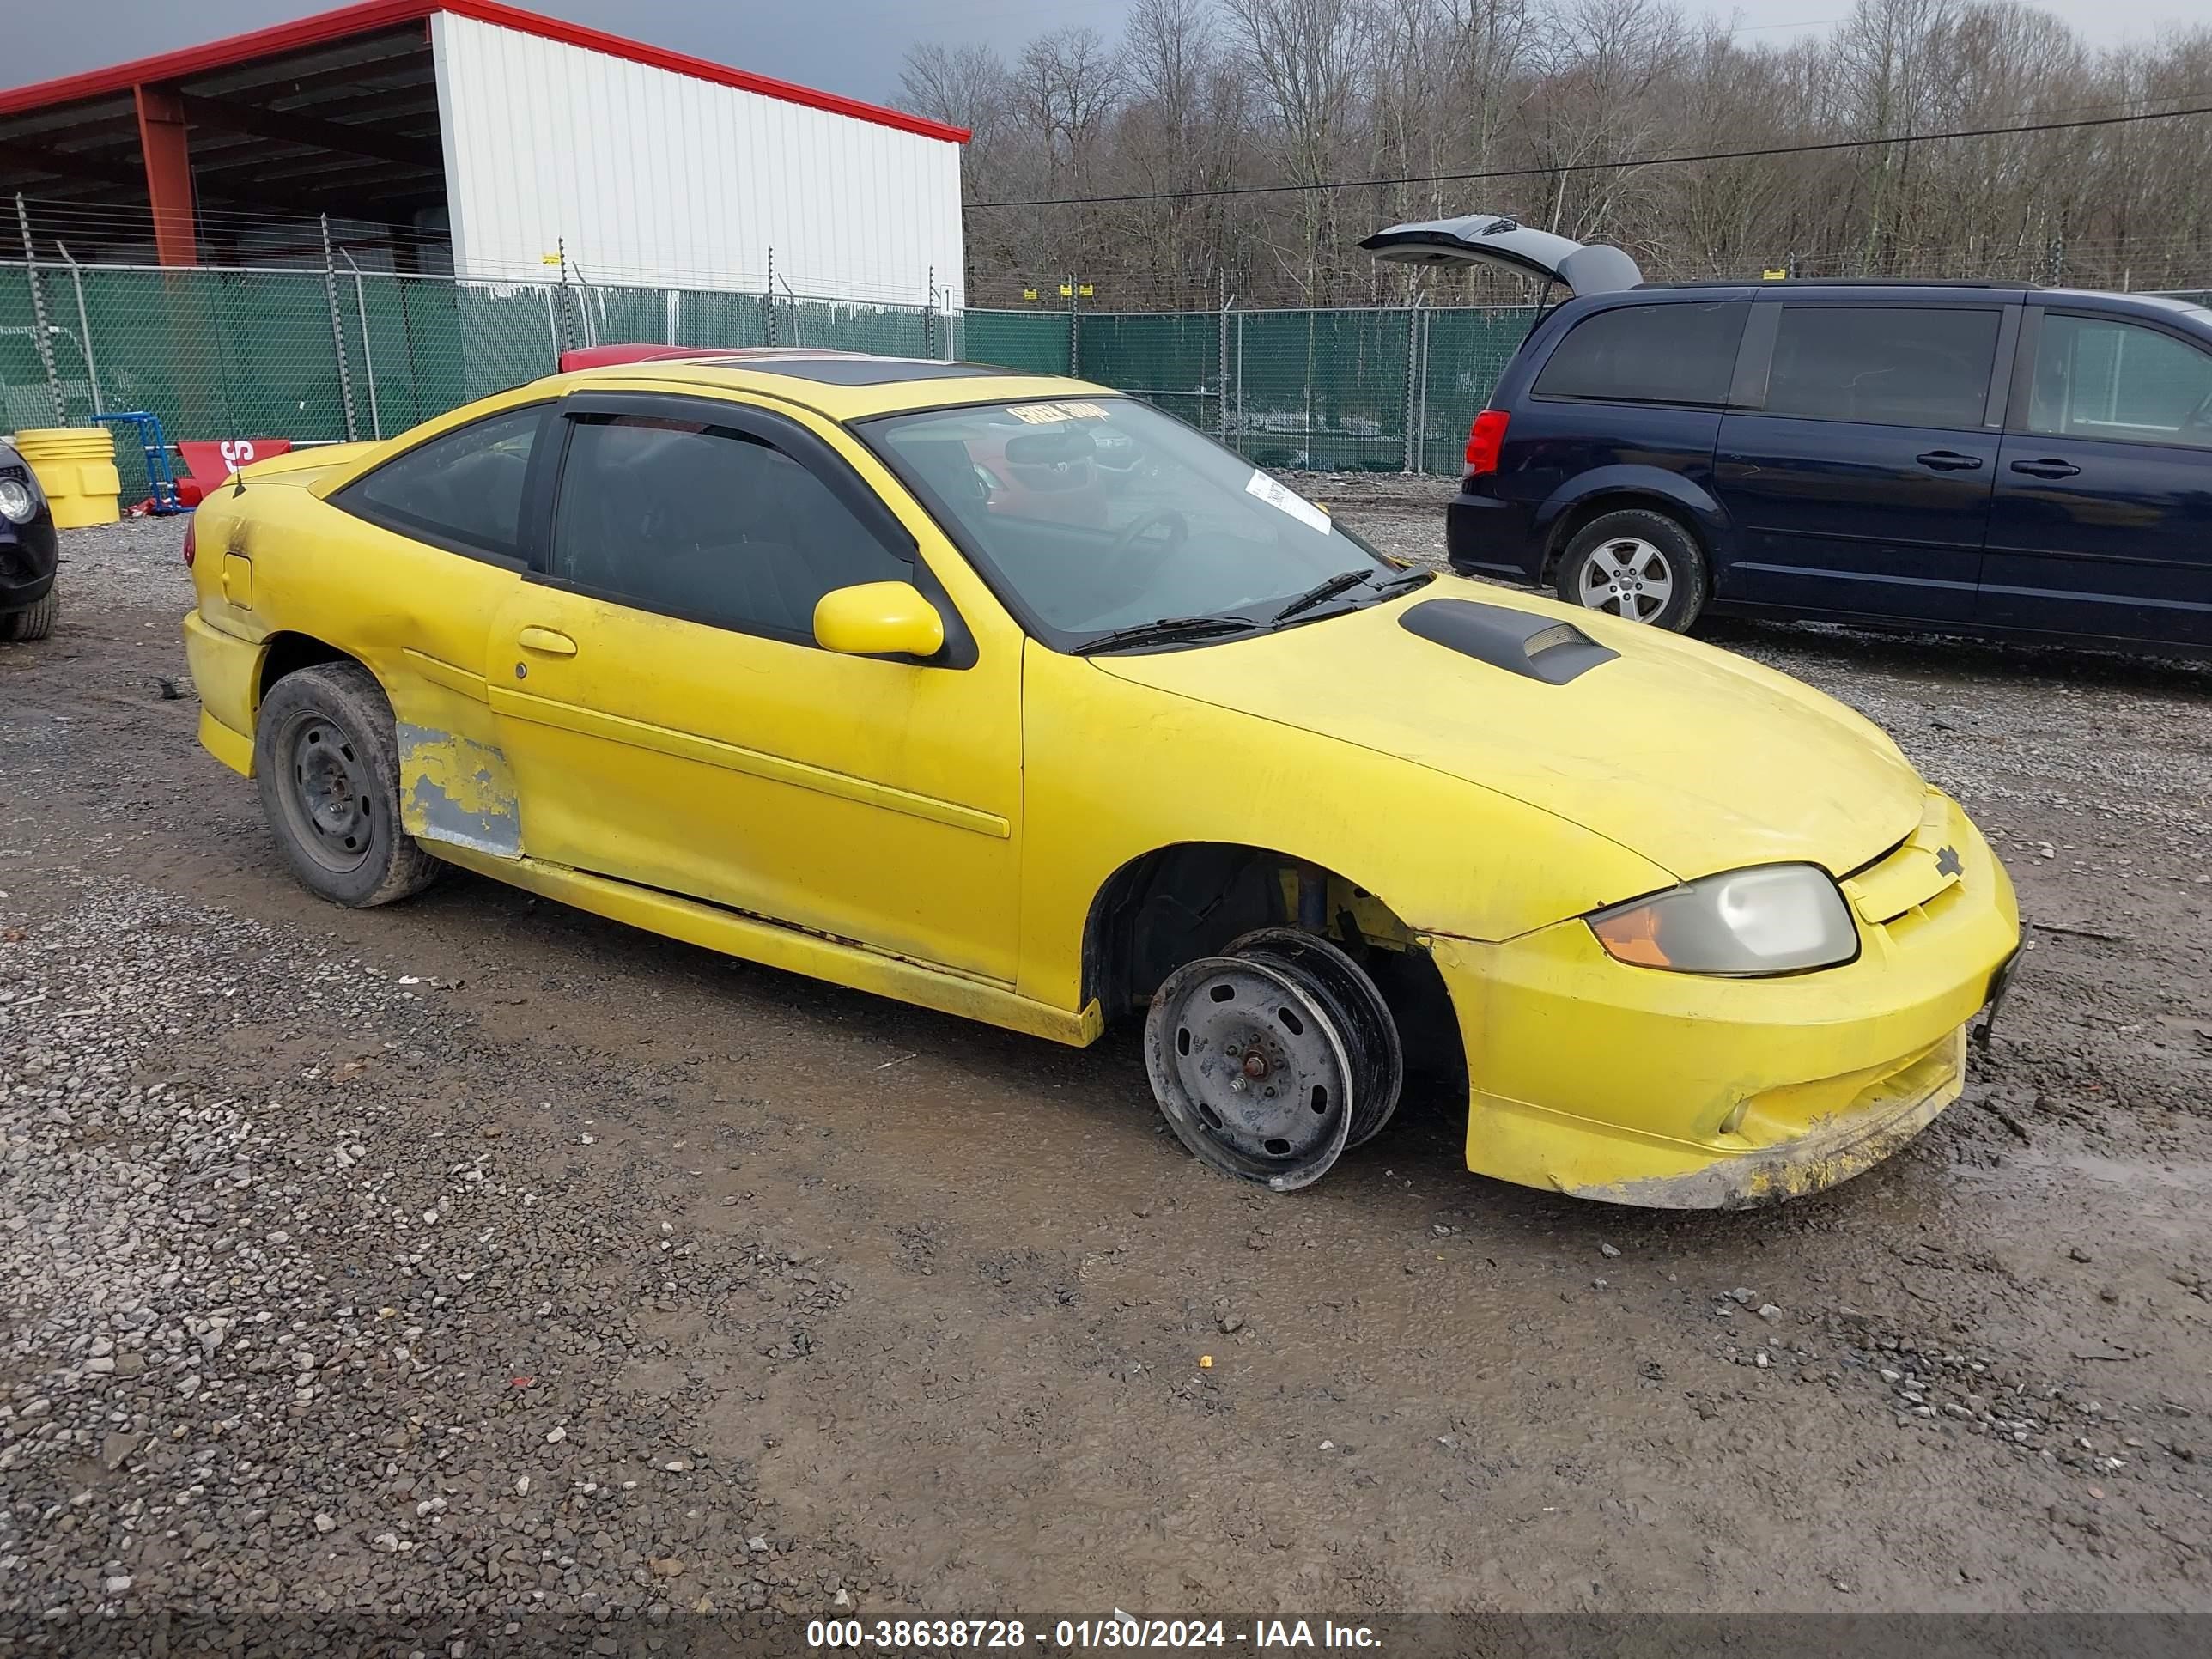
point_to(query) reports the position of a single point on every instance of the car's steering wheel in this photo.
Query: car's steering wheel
(1128, 565)
(1166, 517)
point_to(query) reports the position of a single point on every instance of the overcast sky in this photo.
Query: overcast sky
(851, 46)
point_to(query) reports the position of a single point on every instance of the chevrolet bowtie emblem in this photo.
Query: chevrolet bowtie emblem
(1947, 862)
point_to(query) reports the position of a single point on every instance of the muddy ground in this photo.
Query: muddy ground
(474, 1255)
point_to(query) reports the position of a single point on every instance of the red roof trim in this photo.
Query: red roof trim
(376, 14)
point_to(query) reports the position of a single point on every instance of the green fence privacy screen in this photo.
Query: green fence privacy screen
(319, 355)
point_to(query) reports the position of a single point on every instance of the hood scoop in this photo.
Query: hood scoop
(1516, 640)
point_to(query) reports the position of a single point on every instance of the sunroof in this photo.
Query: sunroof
(865, 370)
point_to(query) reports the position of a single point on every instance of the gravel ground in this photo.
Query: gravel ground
(474, 1265)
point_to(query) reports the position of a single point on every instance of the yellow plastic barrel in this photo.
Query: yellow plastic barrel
(75, 467)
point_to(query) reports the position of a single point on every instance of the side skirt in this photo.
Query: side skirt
(819, 957)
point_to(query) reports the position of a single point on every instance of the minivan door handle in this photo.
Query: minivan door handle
(546, 642)
(2046, 468)
(1948, 460)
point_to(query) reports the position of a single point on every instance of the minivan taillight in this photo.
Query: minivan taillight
(191, 548)
(1486, 438)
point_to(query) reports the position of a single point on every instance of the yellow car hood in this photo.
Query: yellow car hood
(1697, 759)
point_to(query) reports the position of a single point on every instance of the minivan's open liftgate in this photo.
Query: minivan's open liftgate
(1489, 238)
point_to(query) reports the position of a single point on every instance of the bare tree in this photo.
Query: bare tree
(1574, 114)
(1307, 57)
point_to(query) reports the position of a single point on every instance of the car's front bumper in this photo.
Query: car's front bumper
(28, 554)
(1638, 1086)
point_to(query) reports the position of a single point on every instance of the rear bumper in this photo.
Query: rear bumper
(226, 671)
(1612, 1082)
(1484, 537)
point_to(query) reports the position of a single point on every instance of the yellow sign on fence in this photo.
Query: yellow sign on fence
(1774, 276)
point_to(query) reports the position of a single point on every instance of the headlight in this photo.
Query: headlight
(16, 501)
(1775, 919)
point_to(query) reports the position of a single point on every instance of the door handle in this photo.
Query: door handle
(1949, 460)
(2047, 468)
(547, 642)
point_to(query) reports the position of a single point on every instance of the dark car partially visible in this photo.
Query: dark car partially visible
(28, 551)
(1980, 457)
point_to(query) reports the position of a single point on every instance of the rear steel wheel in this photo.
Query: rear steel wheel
(1249, 1066)
(1362, 1017)
(327, 765)
(326, 792)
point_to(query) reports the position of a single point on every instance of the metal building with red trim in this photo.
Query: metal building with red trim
(509, 139)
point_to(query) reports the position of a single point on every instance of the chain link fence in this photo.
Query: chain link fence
(325, 355)
(1343, 390)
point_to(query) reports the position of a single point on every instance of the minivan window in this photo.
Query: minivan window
(1884, 365)
(2096, 377)
(1680, 353)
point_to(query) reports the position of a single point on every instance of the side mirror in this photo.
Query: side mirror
(878, 619)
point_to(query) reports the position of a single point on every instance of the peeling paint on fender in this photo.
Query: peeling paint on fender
(452, 789)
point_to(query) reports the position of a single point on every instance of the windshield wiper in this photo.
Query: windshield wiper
(1163, 629)
(1343, 582)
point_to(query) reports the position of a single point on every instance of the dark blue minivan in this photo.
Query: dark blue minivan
(1978, 458)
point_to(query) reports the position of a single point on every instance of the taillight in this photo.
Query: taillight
(191, 526)
(1484, 441)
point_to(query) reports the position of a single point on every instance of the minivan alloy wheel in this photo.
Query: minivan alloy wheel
(1628, 577)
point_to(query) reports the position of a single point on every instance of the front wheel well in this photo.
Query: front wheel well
(1572, 522)
(288, 652)
(1191, 899)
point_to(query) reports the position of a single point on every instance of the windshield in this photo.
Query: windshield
(1092, 516)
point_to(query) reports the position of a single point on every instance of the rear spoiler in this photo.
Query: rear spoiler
(614, 356)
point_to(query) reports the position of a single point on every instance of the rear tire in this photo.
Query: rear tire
(328, 769)
(36, 623)
(1636, 564)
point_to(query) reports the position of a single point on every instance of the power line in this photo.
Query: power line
(1820, 146)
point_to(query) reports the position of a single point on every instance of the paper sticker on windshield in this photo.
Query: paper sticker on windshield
(1047, 413)
(1284, 499)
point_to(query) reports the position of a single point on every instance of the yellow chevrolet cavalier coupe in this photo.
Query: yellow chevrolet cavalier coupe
(1020, 699)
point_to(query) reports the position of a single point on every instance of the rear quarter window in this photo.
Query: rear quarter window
(1676, 352)
(461, 490)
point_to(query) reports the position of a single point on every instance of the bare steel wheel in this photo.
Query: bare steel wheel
(326, 793)
(327, 765)
(1638, 564)
(1250, 1070)
(1362, 1017)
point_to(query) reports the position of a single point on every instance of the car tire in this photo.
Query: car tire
(1356, 1007)
(35, 623)
(328, 769)
(1251, 1070)
(1636, 564)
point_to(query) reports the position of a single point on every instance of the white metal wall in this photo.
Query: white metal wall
(648, 176)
